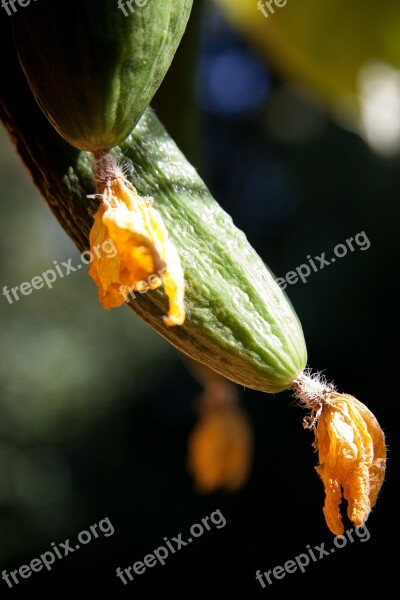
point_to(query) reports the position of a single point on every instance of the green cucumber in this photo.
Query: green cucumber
(94, 66)
(238, 320)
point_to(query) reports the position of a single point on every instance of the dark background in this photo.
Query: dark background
(96, 409)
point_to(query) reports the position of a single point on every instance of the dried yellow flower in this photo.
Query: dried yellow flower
(220, 447)
(351, 448)
(352, 456)
(142, 243)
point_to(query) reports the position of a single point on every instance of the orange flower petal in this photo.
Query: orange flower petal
(352, 456)
(143, 250)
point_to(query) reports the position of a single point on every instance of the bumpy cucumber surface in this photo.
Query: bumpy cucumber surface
(94, 68)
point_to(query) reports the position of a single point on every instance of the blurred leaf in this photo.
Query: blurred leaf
(347, 52)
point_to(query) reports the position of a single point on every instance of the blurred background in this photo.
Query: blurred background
(293, 120)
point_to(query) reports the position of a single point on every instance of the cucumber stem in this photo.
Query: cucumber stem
(106, 169)
(313, 391)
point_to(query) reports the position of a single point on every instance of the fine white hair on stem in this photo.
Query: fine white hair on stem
(312, 390)
(107, 168)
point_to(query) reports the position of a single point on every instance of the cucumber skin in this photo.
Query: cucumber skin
(93, 70)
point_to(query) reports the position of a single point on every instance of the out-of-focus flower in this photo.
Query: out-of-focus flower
(220, 447)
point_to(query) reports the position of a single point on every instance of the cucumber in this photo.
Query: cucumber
(239, 322)
(94, 66)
